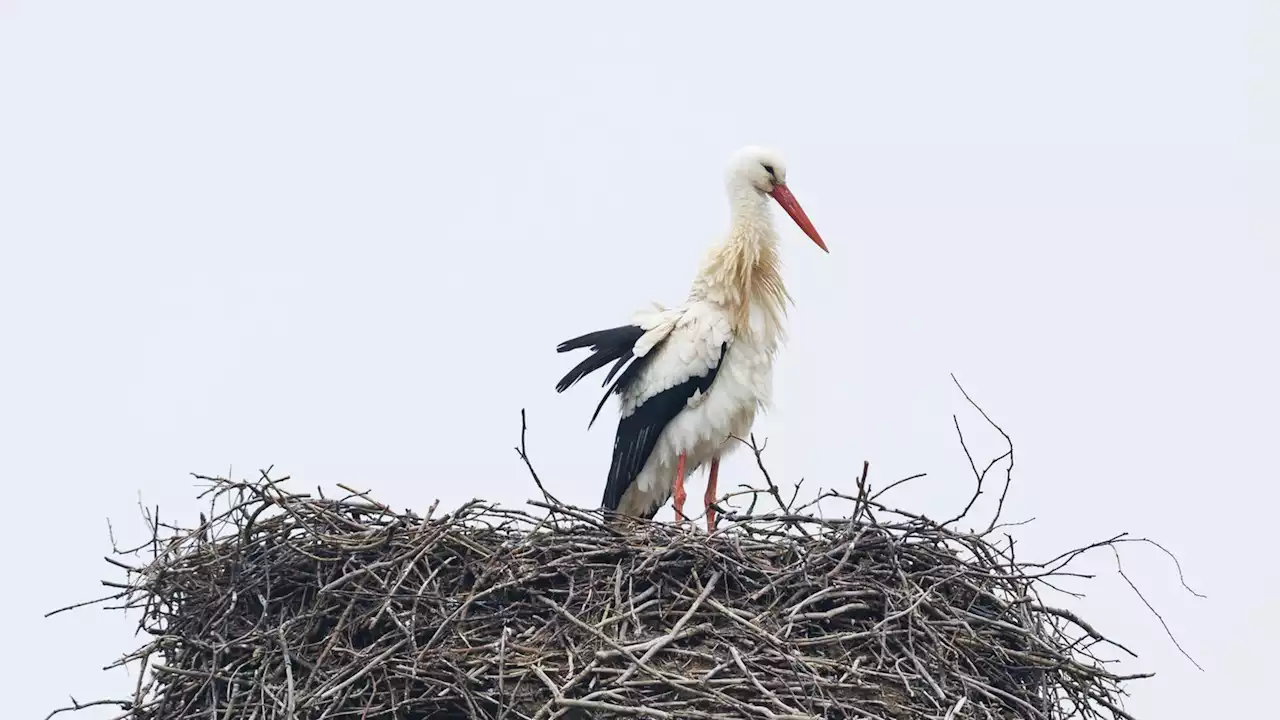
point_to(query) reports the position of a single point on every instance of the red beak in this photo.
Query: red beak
(788, 203)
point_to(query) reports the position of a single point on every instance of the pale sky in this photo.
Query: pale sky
(344, 240)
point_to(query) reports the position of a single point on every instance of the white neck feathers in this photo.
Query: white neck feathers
(742, 273)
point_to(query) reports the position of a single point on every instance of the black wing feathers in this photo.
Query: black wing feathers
(638, 432)
(612, 345)
(606, 347)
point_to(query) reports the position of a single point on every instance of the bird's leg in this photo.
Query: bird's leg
(677, 492)
(710, 497)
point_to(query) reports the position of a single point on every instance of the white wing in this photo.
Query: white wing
(689, 340)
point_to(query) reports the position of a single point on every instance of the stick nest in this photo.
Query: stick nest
(279, 604)
(285, 605)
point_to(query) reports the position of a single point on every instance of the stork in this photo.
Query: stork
(699, 372)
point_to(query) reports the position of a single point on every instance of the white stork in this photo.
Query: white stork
(699, 371)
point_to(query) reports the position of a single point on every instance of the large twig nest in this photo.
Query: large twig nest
(282, 605)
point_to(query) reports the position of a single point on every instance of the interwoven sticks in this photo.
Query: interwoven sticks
(279, 604)
(287, 606)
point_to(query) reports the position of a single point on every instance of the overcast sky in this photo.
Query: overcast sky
(344, 240)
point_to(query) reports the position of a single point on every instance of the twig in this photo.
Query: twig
(1008, 474)
(1165, 625)
(124, 705)
(523, 452)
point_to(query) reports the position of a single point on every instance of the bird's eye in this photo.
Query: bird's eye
(769, 169)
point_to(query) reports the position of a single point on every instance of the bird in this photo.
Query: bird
(691, 379)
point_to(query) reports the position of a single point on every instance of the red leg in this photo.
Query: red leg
(677, 492)
(710, 497)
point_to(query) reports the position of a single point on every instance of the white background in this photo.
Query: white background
(344, 239)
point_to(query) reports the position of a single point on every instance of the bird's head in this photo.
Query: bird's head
(761, 170)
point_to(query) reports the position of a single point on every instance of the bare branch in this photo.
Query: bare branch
(523, 451)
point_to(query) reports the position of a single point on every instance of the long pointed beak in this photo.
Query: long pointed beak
(788, 203)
